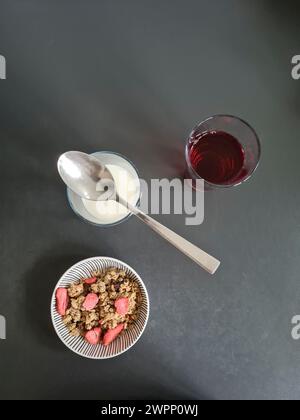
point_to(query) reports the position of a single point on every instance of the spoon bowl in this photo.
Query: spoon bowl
(86, 176)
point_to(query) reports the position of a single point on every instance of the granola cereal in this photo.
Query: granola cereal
(104, 304)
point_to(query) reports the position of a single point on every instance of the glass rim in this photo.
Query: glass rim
(125, 218)
(197, 176)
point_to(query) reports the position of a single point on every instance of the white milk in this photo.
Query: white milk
(110, 211)
(127, 185)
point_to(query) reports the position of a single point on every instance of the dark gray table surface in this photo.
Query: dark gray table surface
(134, 77)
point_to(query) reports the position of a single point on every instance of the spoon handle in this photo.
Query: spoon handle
(200, 257)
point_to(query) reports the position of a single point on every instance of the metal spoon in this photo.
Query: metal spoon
(87, 177)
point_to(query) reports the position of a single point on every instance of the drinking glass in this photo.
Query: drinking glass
(229, 156)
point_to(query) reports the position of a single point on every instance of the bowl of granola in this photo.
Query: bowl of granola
(100, 308)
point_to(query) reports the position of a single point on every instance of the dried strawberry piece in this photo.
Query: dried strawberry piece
(90, 280)
(112, 334)
(90, 302)
(93, 336)
(122, 305)
(62, 300)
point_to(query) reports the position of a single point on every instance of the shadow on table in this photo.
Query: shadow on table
(282, 9)
(39, 283)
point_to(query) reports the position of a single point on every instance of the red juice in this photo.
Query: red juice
(217, 157)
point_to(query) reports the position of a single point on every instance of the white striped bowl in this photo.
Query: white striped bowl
(122, 343)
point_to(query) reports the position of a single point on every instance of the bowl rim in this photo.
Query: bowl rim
(141, 283)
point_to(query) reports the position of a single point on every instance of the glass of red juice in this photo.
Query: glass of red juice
(223, 150)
